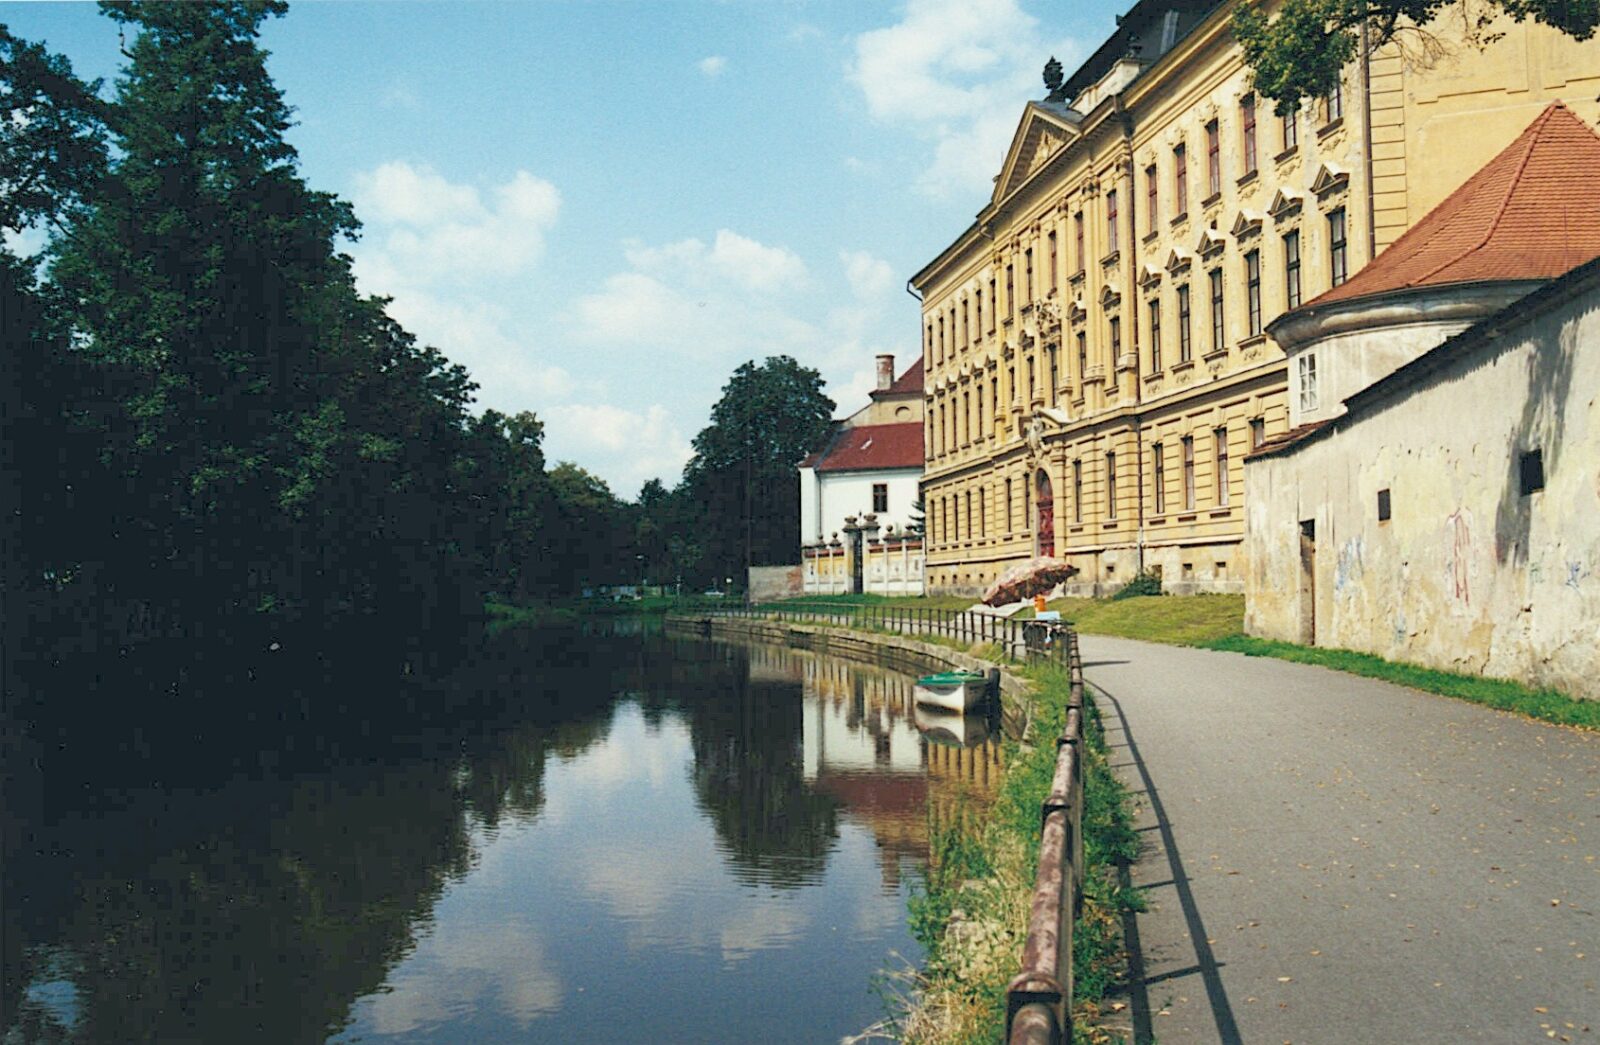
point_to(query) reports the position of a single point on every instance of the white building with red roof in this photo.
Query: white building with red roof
(1436, 500)
(870, 471)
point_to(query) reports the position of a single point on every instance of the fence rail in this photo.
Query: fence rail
(1039, 998)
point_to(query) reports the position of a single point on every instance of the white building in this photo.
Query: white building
(871, 464)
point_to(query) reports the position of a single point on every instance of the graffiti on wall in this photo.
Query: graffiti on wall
(1458, 552)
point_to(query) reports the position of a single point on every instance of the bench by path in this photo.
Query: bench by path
(1336, 859)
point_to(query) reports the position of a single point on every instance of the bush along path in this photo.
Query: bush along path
(972, 915)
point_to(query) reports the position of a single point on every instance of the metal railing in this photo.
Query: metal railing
(1020, 639)
(1039, 998)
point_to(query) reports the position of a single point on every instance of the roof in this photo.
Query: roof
(1528, 214)
(908, 383)
(1496, 329)
(869, 448)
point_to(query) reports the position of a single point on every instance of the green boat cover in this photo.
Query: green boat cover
(950, 678)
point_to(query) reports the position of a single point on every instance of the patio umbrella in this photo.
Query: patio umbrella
(1034, 577)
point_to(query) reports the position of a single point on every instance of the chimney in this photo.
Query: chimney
(885, 372)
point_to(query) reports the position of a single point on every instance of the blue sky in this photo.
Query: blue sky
(601, 209)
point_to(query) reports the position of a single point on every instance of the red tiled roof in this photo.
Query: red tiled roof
(1285, 440)
(907, 383)
(872, 447)
(1533, 212)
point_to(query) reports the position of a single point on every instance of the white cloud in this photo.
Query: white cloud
(423, 228)
(625, 446)
(712, 66)
(869, 276)
(957, 73)
(731, 257)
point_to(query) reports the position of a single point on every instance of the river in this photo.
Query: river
(618, 836)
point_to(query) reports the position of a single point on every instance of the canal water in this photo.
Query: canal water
(617, 837)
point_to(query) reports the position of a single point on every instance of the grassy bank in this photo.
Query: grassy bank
(1217, 622)
(566, 611)
(972, 916)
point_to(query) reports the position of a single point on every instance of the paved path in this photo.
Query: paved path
(1334, 859)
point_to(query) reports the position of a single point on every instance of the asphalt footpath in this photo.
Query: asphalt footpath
(1329, 858)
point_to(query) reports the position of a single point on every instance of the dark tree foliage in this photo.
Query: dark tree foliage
(742, 478)
(1298, 52)
(271, 447)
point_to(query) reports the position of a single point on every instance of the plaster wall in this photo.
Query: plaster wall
(810, 504)
(1468, 574)
(839, 494)
(1346, 363)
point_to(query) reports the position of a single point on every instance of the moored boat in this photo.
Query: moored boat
(951, 690)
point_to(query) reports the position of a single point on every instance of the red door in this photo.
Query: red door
(1047, 516)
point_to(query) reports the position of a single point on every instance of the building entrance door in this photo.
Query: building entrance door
(1308, 582)
(1045, 505)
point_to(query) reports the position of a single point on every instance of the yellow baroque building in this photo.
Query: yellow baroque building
(1097, 366)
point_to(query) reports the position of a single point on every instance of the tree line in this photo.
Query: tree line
(210, 430)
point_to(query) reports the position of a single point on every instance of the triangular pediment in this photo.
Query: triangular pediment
(1149, 275)
(1210, 242)
(1178, 260)
(1247, 223)
(1045, 129)
(1330, 176)
(1284, 203)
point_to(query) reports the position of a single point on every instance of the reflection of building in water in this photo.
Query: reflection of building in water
(861, 745)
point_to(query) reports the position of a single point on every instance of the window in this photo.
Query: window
(977, 401)
(1077, 491)
(1031, 382)
(1247, 118)
(1308, 382)
(944, 519)
(1116, 338)
(1111, 485)
(994, 401)
(927, 443)
(1258, 432)
(880, 497)
(1111, 221)
(1383, 505)
(1185, 344)
(1252, 283)
(983, 511)
(966, 417)
(1077, 233)
(1530, 472)
(1160, 477)
(1053, 273)
(1055, 376)
(1011, 379)
(1291, 269)
(1290, 122)
(1188, 473)
(1027, 507)
(1155, 336)
(1083, 358)
(969, 514)
(1027, 284)
(1009, 526)
(1338, 264)
(941, 338)
(994, 304)
(1221, 440)
(1011, 296)
(1180, 180)
(1335, 101)
(977, 331)
(928, 349)
(1213, 160)
(1217, 343)
(966, 328)
(1151, 197)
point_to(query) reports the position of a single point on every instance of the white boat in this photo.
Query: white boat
(950, 728)
(951, 690)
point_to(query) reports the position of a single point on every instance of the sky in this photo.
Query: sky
(602, 209)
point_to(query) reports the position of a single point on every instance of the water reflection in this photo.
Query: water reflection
(704, 823)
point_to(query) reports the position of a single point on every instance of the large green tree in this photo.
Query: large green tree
(1297, 51)
(271, 441)
(742, 477)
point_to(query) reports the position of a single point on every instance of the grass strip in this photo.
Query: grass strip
(971, 913)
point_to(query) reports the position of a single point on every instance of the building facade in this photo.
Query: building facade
(859, 523)
(1097, 356)
(1437, 501)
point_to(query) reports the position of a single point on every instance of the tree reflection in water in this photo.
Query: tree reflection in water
(254, 883)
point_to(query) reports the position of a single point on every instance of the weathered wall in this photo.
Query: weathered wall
(768, 583)
(1468, 574)
(840, 494)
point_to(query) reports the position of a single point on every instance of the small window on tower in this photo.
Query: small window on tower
(1532, 471)
(1383, 505)
(880, 497)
